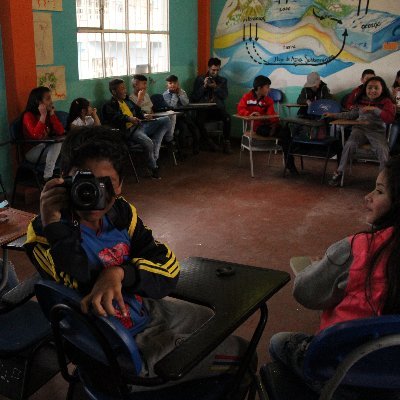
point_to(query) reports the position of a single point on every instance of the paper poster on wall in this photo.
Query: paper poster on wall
(43, 32)
(49, 5)
(288, 38)
(54, 78)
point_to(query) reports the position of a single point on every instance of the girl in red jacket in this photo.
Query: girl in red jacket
(359, 276)
(40, 122)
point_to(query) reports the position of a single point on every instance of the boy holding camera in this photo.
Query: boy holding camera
(213, 88)
(91, 239)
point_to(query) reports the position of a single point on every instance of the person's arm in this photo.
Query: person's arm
(154, 269)
(94, 115)
(170, 98)
(199, 90)
(322, 284)
(388, 112)
(183, 97)
(352, 114)
(271, 111)
(302, 99)
(221, 91)
(34, 128)
(325, 92)
(56, 126)
(242, 107)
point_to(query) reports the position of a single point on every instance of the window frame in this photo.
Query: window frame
(148, 32)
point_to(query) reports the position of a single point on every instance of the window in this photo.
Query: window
(122, 37)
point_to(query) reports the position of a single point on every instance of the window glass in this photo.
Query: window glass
(158, 15)
(88, 13)
(138, 14)
(90, 62)
(114, 14)
(115, 54)
(159, 51)
(138, 53)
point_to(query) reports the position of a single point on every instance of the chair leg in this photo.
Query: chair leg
(3, 188)
(326, 164)
(133, 167)
(251, 162)
(301, 161)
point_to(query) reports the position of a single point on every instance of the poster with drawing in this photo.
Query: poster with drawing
(49, 5)
(54, 78)
(288, 38)
(43, 32)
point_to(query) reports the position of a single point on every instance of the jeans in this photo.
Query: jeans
(49, 156)
(137, 135)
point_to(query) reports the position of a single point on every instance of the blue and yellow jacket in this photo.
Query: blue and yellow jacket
(72, 254)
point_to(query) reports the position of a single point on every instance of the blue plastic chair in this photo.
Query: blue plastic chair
(277, 96)
(106, 355)
(308, 143)
(363, 353)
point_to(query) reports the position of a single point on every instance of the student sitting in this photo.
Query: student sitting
(109, 252)
(396, 89)
(213, 88)
(257, 103)
(41, 122)
(350, 102)
(121, 113)
(142, 99)
(81, 113)
(358, 277)
(174, 97)
(314, 89)
(374, 105)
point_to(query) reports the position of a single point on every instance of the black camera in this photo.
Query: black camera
(210, 80)
(87, 192)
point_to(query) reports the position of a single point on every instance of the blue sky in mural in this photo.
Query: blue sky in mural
(259, 36)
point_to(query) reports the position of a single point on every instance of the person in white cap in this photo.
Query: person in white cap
(314, 89)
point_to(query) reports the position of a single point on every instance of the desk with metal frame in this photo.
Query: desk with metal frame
(289, 106)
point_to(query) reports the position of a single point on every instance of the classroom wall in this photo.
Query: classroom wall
(183, 53)
(288, 39)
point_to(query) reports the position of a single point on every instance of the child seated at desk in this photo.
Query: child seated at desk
(175, 96)
(358, 277)
(375, 106)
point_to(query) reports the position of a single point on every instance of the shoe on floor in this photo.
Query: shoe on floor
(155, 173)
(336, 179)
(227, 147)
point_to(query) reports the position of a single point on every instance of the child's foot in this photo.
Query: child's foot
(336, 179)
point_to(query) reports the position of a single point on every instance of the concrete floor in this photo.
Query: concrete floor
(208, 206)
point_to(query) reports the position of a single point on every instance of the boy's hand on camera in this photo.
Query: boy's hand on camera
(52, 199)
(107, 288)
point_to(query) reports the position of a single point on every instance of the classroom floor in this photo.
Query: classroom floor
(210, 207)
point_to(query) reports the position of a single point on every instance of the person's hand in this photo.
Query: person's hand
(134, 120)
(148, 116)
(140, 96)
(42, 109)
(52, 199)
(328, 115)
(308, 102)
(94, 112)
(107, 288)
(254, 114)
(369, 108)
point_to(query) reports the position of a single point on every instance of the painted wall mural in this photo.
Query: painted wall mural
(287, 38)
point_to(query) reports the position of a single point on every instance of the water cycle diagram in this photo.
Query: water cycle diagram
(259, 36)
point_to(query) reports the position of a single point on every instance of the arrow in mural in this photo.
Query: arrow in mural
(257, 58)
(322, 17)
(359, 7)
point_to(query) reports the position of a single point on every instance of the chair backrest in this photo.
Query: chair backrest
(63, 117)
(159, 104)
(15, 129)
(277, 96)
(100, 340)
(379, 368)
(322, 106)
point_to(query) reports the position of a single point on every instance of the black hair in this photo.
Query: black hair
(396, 83)
(140, 77)
(35, 98)
(112, 85)
(363, 91)
(390, 248)
(93, 143)
(76, 108)
(367, 71)
(214, 61)
(260, 81)
(171, 78)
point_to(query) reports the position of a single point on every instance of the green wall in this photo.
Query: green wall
(183, 53)
(5, 162)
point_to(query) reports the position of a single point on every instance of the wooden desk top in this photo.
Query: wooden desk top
(255, 117)
(15, 224)
(348, 122)
(295, 105)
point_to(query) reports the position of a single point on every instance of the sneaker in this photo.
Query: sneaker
(336, 179)
(227, 147)
(155, 173)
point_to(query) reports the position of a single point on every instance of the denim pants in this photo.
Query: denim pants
(137, 135)
(49, 156)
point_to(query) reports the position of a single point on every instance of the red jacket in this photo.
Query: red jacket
(350, 102)
(264, 106)
(34, 129)
(354, 304)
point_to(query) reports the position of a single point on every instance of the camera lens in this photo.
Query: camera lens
(85, 194)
